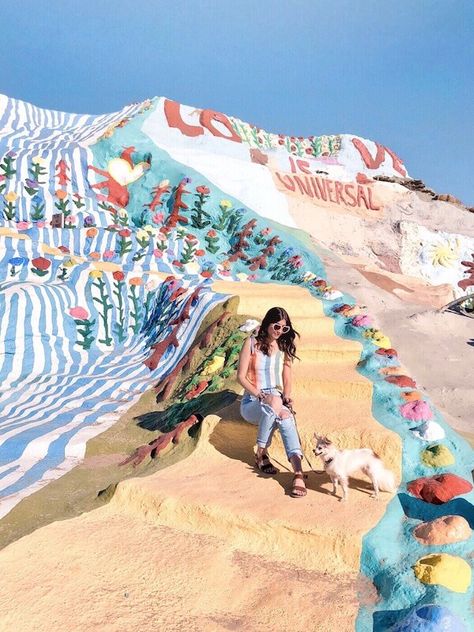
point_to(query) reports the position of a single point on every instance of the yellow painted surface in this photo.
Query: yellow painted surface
(449, 571)
(216, 363)
(209, 543)
(437, 456)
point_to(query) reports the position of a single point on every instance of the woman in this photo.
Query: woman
(265, 373)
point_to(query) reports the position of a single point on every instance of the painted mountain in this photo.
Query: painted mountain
(135, 247)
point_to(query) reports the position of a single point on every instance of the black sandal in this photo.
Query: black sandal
(265, 466)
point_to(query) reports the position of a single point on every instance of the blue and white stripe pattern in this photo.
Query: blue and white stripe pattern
(32, 132)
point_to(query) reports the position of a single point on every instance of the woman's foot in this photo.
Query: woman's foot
(298, 489)
(263, 464)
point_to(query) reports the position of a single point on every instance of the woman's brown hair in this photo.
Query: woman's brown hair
(285, 341)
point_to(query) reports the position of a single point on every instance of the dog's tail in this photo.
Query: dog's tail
(386, 479)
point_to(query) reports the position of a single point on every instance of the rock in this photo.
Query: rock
(429, 431)
(403, 381)
(439, 489)
(447, 197)
(443, 569)
(412, 396)
(444, 530)
(416, 411)
(429, 618)
(437, 456)
(363, 320)
(388, 353)
(216, 364)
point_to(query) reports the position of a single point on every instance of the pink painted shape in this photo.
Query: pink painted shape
(416, 411)
(363, 320)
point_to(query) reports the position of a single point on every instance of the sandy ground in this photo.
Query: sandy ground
(207, 543)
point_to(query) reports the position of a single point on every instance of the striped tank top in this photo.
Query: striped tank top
(265, 371)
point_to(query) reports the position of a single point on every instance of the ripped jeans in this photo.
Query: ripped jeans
(256, 412)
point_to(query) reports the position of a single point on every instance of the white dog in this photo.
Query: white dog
(340, 464)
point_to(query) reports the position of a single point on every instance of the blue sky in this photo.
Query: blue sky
(397, 72)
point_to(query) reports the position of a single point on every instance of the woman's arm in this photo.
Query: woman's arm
(287, 376)
(244, 359)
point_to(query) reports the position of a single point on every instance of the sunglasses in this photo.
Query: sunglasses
(284, 328)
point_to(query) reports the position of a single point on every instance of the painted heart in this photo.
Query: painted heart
(123, 173)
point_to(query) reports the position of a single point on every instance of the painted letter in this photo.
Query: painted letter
(304, 189)
(348, 191)
(303, 165)
(289, 184)
(374, 163)
(173, 116)
(339, 195)
(361, 196)
(207, 118)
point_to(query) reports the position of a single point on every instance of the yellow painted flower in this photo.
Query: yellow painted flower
(37, 160)
(142, 235)
(151, 230)
(242, 276)
(309, 276)
(135, 281)
(225, 204)
(68, 264)
(122, 213)
(95, 274)
(11, 196)
(163, 184)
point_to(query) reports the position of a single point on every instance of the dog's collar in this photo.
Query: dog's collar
(329, 461)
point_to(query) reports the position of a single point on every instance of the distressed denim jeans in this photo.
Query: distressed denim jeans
(256, 412)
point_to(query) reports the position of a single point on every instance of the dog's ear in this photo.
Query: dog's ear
(316, 437)
(326, 440)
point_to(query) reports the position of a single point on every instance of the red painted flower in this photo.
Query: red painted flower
(309, 150)
(118, 275)
(281, 141)
(79, 312)
(64, 249)
(212, 233)
(200, 253)
(41, 263)
(125, 232)
(203, 190)
(190, 238)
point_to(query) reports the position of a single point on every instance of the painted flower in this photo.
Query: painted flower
(136, 281)
(69, 263)
(108, 254)
(11, 154)
(70, 220)
(191, 239)
(118, 275)
(151, 285)
(60, 194)
(23, 225)
(157, 253)
(125, 232)
(113, 227)
(88, 221)
(163, 184)
(37, 160)
(309, 276)
(157, 218)
(142, 235)
(225, 204)
(203, 190)
(200, 253)
(95, 274)
(95, 256)
(91, 232)
(79, 312)
(265, 231)
(41, 263)
(64, 249)
(32, 184)
(151, 230)
(252, 277)
(122, 213)
(40, 224)
(11, 197)
(18, 261)
(211, 233)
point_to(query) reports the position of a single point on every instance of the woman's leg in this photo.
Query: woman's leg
(256, 412)
(291, 441)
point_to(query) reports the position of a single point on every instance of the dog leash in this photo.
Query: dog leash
(292, 411)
